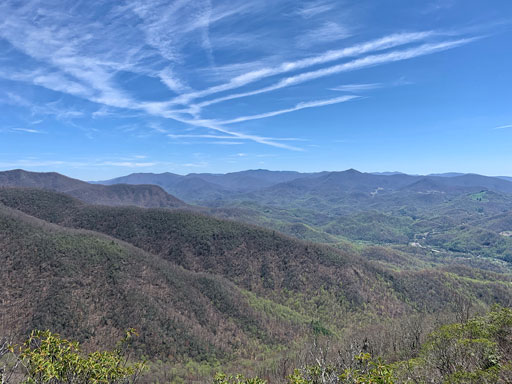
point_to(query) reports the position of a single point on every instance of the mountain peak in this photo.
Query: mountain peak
(352, 171)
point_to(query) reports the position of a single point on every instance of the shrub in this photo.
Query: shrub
(46, 358)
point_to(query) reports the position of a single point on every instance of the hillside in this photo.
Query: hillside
(93, 287)
(140, 195)
(327, 207)
(259, 260)
(208, 290)
(444, 212)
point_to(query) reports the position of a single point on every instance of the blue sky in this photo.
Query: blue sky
(101, 89)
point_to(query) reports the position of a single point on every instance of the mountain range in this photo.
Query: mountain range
(267, 262)
(92, 271)
(196, 187)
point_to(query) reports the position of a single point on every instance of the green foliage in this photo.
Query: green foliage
(276, 311)
(369, 371)
(474, 241)
(221, 378)
(372, 372)
(480, 196)
(477, 351)
(50, 359)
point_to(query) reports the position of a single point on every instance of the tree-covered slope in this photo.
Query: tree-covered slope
(92, 287)
(204, 289)
(262, 261)
(255, 258)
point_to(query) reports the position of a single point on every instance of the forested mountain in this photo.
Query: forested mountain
(92, 287)
(444, 212)
(121, 194)
(203, 288)
(153, 248)
(298, 184)
(508, 178)
(438, 212)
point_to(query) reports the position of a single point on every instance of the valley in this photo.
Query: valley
(336, 207)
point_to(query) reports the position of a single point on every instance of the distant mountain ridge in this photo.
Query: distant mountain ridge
(204, 186)
(210, 186)
(394, 208)
(149, 196)
(272, 188)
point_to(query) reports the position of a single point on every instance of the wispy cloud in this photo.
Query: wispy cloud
(169, 78)
(200, 164)
(230, 135)
(386, 42)
(357, 87)
(116, 99)
(438, 5)
(272, 141)
(27, 130)
(33, 163)
(169, 27)
(76, 52)
(504, 126)
(49, 108)
(129, 164)
(156, 126)
(364, 62)
(314, 8)
(298, 107)
(92, 77)
(226, 142)
(328, 32)
(102, 112)
(198, 136)
(361, 87)
(226, 137)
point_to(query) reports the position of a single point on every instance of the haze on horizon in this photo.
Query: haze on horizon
(96, 92)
